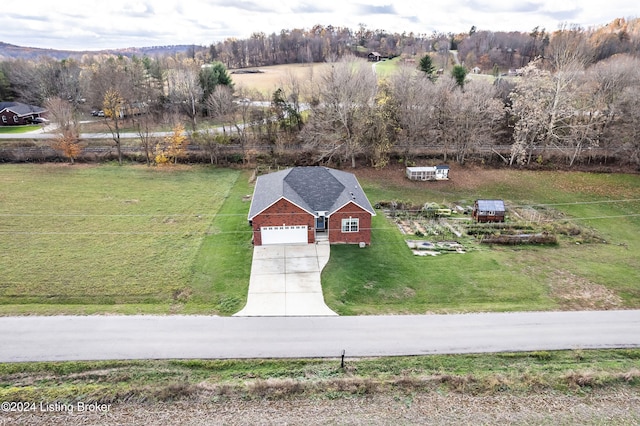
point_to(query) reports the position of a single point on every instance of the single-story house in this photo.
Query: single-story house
(308, 204)
(488, 211)
(428, 173)
(16, 113)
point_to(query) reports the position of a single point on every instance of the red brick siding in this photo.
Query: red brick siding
(9, 118)
(335, 225)
(283, 212)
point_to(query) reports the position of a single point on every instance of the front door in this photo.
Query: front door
(321, 223)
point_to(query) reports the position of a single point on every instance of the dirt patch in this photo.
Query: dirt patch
(596, 407)
(468, 177)
(575, 293)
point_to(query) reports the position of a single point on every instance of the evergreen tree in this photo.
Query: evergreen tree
(459, 74)
(426, 65)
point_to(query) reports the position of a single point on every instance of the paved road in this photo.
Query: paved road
(163, 337)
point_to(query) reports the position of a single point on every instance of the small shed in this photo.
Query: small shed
(374, 57)
(488, 211)
(428, 173)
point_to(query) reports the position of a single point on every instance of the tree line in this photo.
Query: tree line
(576, 95)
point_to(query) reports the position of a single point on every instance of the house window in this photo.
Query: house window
(4, 119)
(350, 225)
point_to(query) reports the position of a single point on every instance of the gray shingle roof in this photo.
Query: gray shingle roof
(314, 189)
(21, 109)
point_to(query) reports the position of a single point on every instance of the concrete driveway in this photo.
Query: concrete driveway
(285, 281)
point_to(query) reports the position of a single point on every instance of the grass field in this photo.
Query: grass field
(108, 239)
(263, 84)
(96, 239)
(387, 278)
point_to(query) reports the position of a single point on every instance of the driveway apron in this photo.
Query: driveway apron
(285, 281)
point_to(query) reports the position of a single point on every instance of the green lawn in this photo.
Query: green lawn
(387, 278)
(19, 129)
(107, 239)
(132, 239)
(388, 67)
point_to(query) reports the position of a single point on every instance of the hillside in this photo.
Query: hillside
(11, 51)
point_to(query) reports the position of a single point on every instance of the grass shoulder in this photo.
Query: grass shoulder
(569, 372)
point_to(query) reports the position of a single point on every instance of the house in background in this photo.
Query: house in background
(374, 57)
(18, 114)
(303, 205)
(428, 173)
(488, 211)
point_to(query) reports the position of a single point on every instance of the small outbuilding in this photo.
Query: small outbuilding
(303, 205)
(428, 173)
(488, 211)
(374, 57)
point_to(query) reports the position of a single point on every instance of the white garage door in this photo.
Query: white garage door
(284, 234)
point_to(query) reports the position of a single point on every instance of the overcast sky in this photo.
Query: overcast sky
(96, 25)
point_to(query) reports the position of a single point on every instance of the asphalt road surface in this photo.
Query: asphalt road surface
(60, 338)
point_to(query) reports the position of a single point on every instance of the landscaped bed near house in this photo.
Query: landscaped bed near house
(598, 271)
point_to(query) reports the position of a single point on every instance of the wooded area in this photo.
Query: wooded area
(570, 96)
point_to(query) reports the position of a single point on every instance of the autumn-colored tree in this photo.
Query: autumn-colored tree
(62, 113)
(112, 106)
(175, 146)
(68, 145)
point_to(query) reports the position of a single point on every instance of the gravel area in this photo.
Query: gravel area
(619, 407)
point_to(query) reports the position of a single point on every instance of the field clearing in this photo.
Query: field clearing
(263, 84)
(95, 239)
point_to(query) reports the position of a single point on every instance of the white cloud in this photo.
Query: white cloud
(94, 25)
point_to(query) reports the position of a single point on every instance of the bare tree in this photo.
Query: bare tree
(336, 124)
(411, 93)
(144, 126)
(220, 104)
(556, 110)
(113, 111)
(475, 114)
(64, 116)
(185, 91)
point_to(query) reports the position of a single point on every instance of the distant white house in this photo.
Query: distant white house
(428, 173)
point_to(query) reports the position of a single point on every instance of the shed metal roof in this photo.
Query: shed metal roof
(491, 205)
